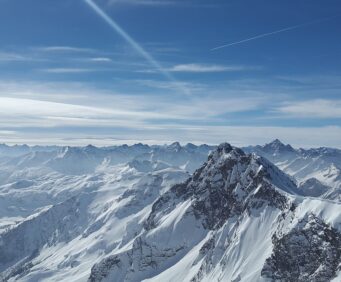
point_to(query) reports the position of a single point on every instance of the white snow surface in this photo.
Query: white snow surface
(317, 171)
(65, 211)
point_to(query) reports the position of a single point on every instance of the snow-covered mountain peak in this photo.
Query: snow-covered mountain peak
(227, 185)
(228, 159)
(67, 150)
(14, 150)
(313, 187)
(218, 225)
(134, 213)
(323, 164)
(223, 151)
(277, 146)
(176, 146)
(91, 148)
(324, 152)
(190, 146)
(276, 143)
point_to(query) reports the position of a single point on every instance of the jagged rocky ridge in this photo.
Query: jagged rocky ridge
(199, 230)
(230, 183)
(97, 220)
(32, 178)
(90, 158)
(317, 170)
(146, 220)
(311, 251)
(22, 243)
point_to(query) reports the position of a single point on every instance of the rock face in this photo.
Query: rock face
(69, 236)
(311, 251)
(223, 224)
(21, 244)
(230, 183)
(276, 148)
(102, 270)
(236, 218)
(313, 187)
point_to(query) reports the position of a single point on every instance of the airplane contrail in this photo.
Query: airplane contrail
(272, 33)
(134, 44)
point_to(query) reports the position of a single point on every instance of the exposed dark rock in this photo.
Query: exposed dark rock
(309, 252)
(230, 183)
(101, 270)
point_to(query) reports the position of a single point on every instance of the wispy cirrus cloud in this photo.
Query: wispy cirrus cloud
(45, 113)
(69, 70)
(50, 54)
(236, 135)
(64, 49)
(23, 112)
(13, 57)
(100, 60)
(20, 57)
(318, 108)
(170, 85)
(7, 132)
(38, 105)
(206, 68)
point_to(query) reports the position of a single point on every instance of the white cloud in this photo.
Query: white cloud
(70, 70)
(205, 68)
(169, 85)
(50, 105)
(33, 111)
(10, 57)
(64, 49)
(122, 111)
(100, 60)
(14, 56)
(7, 132)
(21, 112)
(209, 107)
(319, 108)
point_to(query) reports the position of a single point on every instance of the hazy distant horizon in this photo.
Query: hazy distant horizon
(101, 143)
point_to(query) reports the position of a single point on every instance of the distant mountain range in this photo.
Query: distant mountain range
(170, 213)
(317, 171)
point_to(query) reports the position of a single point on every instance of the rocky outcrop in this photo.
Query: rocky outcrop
(311, 251)
(313, 187)
(231, 184)
(227, 185)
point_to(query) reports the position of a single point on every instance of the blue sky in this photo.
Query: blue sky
(125, 71)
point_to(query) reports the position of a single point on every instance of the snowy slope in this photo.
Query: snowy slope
(134, 213)
(224, 224)
(321, 166)
(32, 178)
(58, 201)
(65, 240)
(64, 159)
